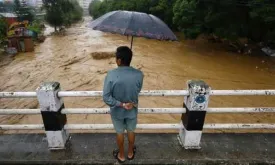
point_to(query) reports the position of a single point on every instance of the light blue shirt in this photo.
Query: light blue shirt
(122, 85)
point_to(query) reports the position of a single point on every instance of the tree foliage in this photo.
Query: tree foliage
(77, 13)
(72, 11)
(3, 29)
(62, 12)
(54, 15)
(6, 6)
(225, 19)
(262, 18)
(23, 11)
(161, 8)
(94, 8)
(164, 10)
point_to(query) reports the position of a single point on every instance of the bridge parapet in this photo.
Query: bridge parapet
(195, 101)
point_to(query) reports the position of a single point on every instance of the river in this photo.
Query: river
(166, 65)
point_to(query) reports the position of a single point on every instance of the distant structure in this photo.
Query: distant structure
(38, 3)
(84, 3)
(34, 3)
(24, 3)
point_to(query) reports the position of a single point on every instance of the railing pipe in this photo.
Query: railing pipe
(17, 94)
(22, 127)
(141, 110)
(143, 93)
(141, 126)
(20, 111)
(242, 92)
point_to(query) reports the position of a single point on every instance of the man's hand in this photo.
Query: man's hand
(128, 106)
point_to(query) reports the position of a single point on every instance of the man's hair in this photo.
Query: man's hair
(124, 53)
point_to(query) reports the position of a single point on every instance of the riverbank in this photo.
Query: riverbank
(166, 65)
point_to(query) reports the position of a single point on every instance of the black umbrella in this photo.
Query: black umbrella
(133, 24)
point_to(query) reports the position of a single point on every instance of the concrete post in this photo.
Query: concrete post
(51, 106)
(196, 104)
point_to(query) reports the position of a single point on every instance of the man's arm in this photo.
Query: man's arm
(107, 94)
(139, 86)
(141, 83)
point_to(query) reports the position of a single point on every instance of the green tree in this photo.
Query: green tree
(187, 18)
(97, 8)
(93, 8)
(54, 14)
(23, 11)
(77, 13)
(3, 29)
(164, 10)
(67, 9)
(62, 12)
(161, 8)
(262, 16)
(6, 6)
(72, 12)
(229, 20)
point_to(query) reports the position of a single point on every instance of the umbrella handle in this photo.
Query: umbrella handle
(132, 40)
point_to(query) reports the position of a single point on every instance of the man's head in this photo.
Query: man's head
(123, 56)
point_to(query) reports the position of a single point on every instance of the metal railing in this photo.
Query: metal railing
(139, 126)
(196, 93)
(142, 110)
(143, 93)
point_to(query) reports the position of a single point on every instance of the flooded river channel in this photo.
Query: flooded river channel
(166, 66)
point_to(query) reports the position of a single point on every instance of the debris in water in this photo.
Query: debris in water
(71, 61)
(101, 71)
(41, 38)
(139, 67)
(102, 55)
(268, 51)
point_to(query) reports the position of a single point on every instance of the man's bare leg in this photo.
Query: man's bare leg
(131, 140)
(120, 143)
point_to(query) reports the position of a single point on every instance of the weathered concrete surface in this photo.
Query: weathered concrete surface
(152, 149)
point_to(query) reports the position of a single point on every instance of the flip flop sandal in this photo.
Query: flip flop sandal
(134, 152)
(115, 154)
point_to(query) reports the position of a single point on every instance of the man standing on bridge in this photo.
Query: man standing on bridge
(121, 89)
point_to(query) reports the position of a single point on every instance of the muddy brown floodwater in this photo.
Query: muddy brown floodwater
(166, 65)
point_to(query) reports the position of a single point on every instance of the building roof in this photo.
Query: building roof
(8, 15)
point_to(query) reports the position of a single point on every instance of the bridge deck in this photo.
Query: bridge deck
(152, 149)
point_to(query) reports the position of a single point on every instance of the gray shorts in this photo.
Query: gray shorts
(121, 125)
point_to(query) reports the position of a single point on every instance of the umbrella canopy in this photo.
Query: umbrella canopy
(135, 24)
